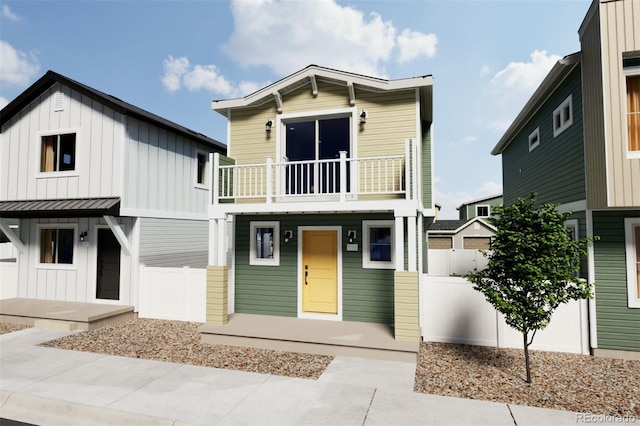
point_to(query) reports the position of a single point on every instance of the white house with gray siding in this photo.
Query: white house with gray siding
(100, 188)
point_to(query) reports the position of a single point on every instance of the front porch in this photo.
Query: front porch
(346, 338)
(62, 315)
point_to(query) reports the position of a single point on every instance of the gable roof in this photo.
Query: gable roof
(478, 200)
(314, 73)
(50, 78)
(558, 73)
(454, 226)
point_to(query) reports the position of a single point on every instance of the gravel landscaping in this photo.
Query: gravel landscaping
(561, 381)
(6, 327)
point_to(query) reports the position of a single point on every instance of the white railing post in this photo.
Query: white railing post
(215, 190)
(269, 191)
(407, 169)
(343, 176)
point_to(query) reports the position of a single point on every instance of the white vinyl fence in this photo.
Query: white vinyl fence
(173, 293)
(453, 312)
(455, 262)
(8, 279)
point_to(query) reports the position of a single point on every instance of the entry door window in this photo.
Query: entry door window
(310, 141)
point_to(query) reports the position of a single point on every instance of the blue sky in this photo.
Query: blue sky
(173, 58)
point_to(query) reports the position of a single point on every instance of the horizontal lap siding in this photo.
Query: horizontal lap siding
(268, 290)
(174, 243)
(618, 325)
(555, 168)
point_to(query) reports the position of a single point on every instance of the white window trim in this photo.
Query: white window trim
(63, 266)
(558, 111)
(488, 210)
(367, 263)
(253, 260)
(534, 135)
(632, 286)
(207, 171)
(628, 71)
(38, 157)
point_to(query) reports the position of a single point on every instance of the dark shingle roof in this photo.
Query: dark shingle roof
(446, 225)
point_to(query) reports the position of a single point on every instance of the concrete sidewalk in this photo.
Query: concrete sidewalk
(46, 386)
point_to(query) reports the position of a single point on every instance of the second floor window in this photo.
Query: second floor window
(58, 153)
(633, 113)
(563, 116)
(201, 168)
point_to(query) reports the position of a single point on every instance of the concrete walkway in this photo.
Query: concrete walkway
(46, 386)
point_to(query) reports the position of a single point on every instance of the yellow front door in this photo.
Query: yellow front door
(320, 272)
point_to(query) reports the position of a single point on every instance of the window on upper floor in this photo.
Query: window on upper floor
(483, 211)
(201, 169)
(534, 139)
(264, 244)
(377, 244)
(563, 116)
(56, 245)
(633, 113)
(632, 248)
(58, 153)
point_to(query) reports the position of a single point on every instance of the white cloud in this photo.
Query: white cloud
(3, 102)
(17, 68)
(179, 72)
(413, 44)
(510, 88)
(7, 13)
(469, 139)
(293, 34)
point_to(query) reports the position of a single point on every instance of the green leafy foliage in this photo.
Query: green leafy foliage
(533, 266)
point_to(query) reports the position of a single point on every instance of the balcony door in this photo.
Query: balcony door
(307, 143)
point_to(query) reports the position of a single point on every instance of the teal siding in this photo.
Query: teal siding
(367, 294)
(427, 196)
(555, 168)
(618, 325)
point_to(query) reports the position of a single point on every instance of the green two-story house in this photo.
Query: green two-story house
(577, 142)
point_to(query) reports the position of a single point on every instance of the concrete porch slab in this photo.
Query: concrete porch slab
(344, 338)
(62, 315)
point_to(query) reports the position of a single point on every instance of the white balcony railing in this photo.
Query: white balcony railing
(339, 179)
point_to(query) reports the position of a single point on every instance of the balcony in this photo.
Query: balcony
(342, 179)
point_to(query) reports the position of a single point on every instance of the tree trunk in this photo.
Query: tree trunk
(526, 357)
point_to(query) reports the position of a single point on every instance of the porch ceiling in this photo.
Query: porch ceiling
(76, 207)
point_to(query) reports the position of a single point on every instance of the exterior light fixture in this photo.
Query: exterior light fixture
(83, 236)
(351, 235)
(268, 125)
(363, 116)
(288, 235)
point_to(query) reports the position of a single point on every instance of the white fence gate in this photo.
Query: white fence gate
(453, 312)
(173, 293)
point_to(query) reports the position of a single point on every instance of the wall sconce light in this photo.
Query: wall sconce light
(363, 116)
(83, 236)
(351, 235)
(268, 125)
(288, 235)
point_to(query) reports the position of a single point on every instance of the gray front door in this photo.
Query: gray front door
(108, 279)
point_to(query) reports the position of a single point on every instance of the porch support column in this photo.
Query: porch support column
(406, 306)
(217, 304)
(399, 243)
(412, 244)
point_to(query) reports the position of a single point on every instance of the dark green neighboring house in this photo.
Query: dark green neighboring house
(577, 142)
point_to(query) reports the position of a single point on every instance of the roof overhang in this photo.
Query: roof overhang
(76, 207)
(312, 74)
(558, 73)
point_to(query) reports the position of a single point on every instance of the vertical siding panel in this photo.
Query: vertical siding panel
(172, 173)
(143, 165)
(153, 169)
(106, 154)
(18, 187)
(95, 144)
(132, 184)
(163, 168)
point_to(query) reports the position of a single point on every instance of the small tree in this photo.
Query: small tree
(532, 268)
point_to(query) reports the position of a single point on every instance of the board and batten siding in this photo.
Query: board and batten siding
(555, 168)
(99, 132)
(160, 173)
(77, 282)
(367, 294)
(174, 243)
(618, 325)
(620, 33)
